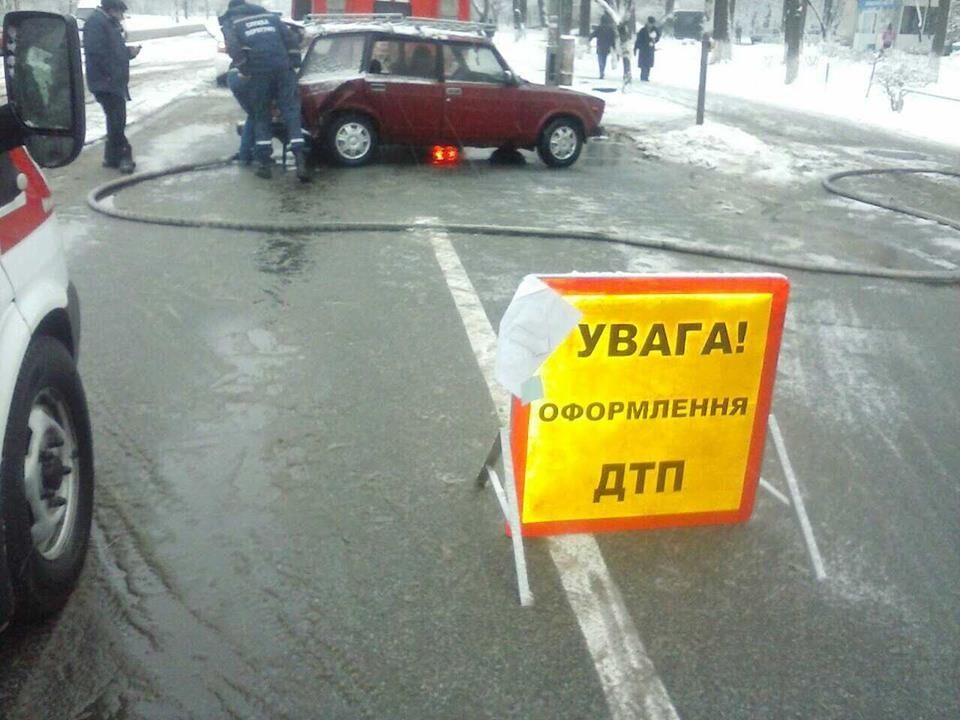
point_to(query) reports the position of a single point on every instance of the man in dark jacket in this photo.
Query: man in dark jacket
(267, 52)
(108, 77)
(645, 47)
(606, 39)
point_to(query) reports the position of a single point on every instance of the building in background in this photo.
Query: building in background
(914, 23)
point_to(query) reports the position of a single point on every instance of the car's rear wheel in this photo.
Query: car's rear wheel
(560, 142)
(46, 480)
(351, 139)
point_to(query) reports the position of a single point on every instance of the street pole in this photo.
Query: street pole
(702, 92)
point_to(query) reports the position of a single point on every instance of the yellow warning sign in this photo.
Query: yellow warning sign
(654, 406)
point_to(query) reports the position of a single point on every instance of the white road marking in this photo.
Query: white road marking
(794, 486)
(630, 682)
(773, 491)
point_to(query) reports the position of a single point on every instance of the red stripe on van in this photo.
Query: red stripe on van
(17, 225)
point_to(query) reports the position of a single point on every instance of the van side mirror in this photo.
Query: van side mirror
(42, 68)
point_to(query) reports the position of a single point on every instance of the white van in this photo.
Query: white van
(46, 465)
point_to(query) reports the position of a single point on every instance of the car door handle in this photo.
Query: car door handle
(377, 87)
(454, 91)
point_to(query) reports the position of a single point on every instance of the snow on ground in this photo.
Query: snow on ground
(723, 147)
(164, 70)
(756, 73)
(155, 22)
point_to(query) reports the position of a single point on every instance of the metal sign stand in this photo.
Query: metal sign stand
(507, 497)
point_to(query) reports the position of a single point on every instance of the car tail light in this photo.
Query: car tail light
(445, 155)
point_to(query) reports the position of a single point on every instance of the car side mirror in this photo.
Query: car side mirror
(42, 68)
(510, 79)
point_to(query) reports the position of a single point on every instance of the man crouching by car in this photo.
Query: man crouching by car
(267, 51)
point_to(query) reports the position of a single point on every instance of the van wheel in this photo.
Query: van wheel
(351, 140)
(560, 143)
(46, 480)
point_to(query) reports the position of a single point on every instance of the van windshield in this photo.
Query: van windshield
(335, 56)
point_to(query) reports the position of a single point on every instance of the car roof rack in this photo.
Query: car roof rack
(422, 25)
(352, 18)
(464, 26)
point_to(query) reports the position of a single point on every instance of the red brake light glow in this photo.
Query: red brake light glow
(444, 155)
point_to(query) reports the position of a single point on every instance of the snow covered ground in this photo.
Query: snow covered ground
(154, 22)
(164, 70)
(756, 73)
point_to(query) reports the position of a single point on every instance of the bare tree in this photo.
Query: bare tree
(940, 32)
(794, 20)
(721, 30)
(585, 18)
(826, 19)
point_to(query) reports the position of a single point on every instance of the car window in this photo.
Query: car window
(403, 58)
(472, 63)
(332, 56)
(420, 60)
(386, 58)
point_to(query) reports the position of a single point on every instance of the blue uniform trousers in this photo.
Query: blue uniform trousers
(280, 87)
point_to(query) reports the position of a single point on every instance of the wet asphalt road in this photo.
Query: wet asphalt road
(287, 429)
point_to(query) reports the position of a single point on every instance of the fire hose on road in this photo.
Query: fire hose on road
(98, 196)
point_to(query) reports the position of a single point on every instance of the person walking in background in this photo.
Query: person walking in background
(606, 36)
(886, 40)
(108, 77)
(645, 47)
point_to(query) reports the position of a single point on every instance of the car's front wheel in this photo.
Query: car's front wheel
(560, 143)
(351, 139)
(46, 480)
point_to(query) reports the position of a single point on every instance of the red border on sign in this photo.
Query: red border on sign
(779, 288)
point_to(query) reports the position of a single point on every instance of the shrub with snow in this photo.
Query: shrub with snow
(898, 71)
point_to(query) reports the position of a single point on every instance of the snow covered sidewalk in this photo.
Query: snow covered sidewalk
(165, 70)
(756, 73)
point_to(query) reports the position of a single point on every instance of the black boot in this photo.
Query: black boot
(265, 169)
(126, 164)
(303, 169)
(110, 159)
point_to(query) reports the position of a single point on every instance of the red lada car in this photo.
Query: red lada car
(417, 82)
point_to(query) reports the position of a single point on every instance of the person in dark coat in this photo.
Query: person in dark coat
(645, 47)
(267, 52)
(606, 38)
(108, 77)
(240, 84)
